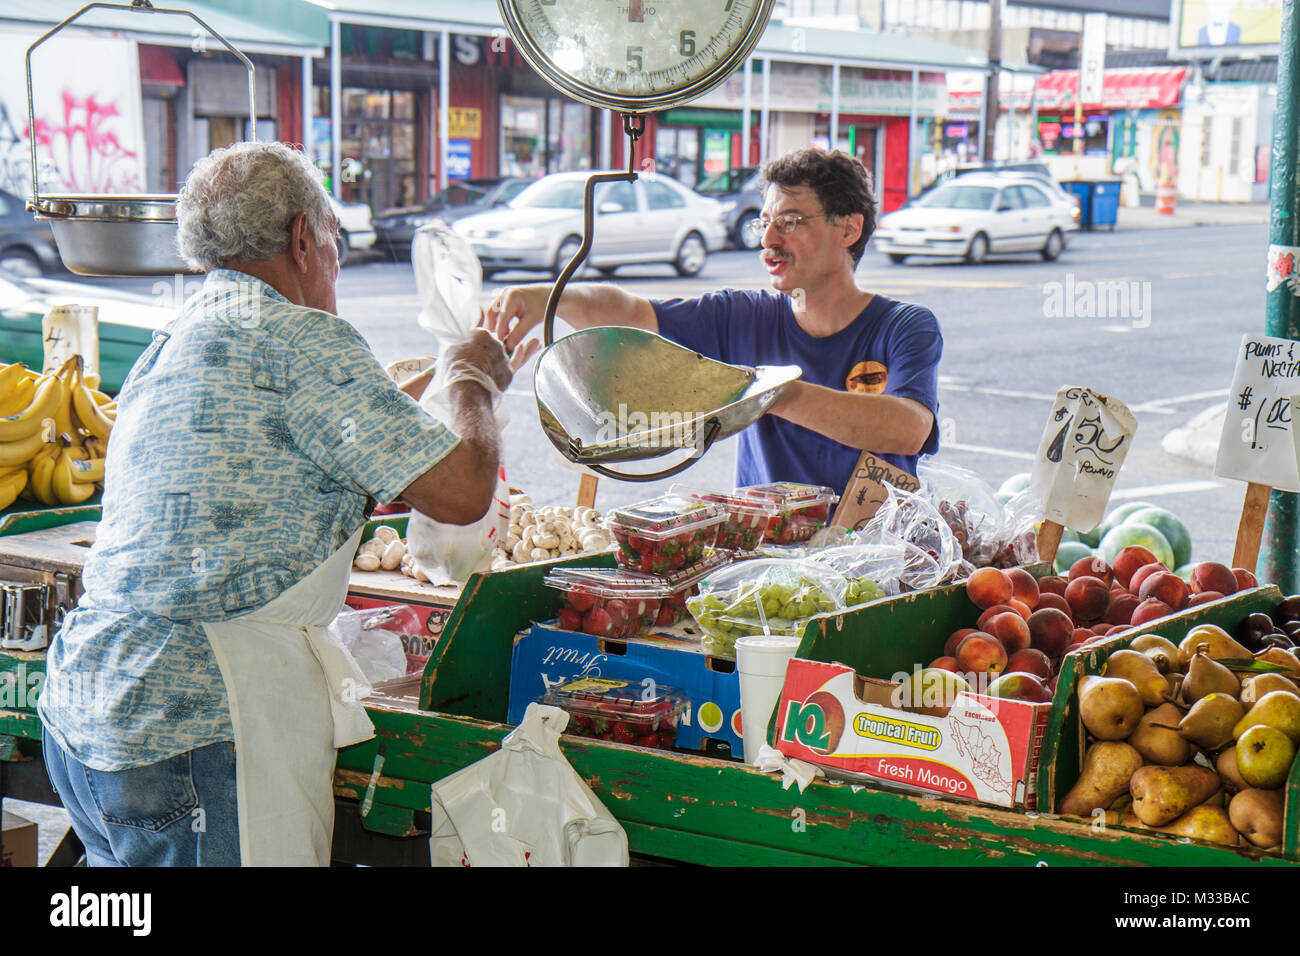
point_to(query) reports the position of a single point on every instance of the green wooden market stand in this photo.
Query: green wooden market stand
(700, 809)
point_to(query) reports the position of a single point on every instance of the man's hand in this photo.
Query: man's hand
(516, 311)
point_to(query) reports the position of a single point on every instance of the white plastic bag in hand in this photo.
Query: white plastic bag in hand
(449, 278)
(524, 806)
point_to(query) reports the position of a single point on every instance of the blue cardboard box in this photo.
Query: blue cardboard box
(545, 656)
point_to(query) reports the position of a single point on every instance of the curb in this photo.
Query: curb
(1198, 440)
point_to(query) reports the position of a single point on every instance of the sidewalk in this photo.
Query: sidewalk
(1190, 213)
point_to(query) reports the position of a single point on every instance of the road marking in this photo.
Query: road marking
(1154, 491)
(984, 450)
(957, 283)
(1179, 399)
(1117, 328)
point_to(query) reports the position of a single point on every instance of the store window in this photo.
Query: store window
(677, 153)
(1057, 134)
(540, 136)
(377, 146)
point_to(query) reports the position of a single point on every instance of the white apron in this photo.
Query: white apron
(295, 696)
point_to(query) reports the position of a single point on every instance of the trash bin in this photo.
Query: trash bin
(1083, 190)
(1104, 207)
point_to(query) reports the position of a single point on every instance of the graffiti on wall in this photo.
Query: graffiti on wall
(84, 147)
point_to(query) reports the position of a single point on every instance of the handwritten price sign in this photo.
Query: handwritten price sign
(1258, 443)
(1079, 456)
(865, 492)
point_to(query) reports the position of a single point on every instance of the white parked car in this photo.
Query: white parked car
(356, 229)
(654, 219)
(978, 214)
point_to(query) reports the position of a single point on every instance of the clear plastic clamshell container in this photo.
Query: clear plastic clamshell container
(748, 518)
(619, 711)
(665, 534)
(802, 510)
(679, 587)
(607, 603)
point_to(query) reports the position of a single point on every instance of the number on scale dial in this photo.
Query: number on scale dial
(636, 55)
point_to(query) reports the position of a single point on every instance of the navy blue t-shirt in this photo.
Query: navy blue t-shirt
(891, 348)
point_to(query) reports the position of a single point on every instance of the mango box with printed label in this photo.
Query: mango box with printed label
(984, 749)
(19, 841)
(546, 656)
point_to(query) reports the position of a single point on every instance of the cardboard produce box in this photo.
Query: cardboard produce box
(983, 749)
(19, 841)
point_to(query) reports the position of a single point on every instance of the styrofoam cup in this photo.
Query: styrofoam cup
(760, 662)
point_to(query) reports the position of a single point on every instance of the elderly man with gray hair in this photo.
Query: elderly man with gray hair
(194, 698)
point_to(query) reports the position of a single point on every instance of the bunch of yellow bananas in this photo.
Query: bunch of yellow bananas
(54, 432)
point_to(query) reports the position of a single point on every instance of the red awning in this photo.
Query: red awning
(1153, 88)
(158, 66)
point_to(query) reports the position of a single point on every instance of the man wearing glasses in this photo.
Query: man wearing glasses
(870, 363)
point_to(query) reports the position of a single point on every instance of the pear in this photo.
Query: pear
(1162, 651)
(1264, 756)
(1207, 823)
(1275, 709)
(1282, 658)
(1206, 676)
(1107, 769)
(1141, 672)
(1210, 721)
(1157, 738)
(1257, 685)
(1110, 707)
(1162, 794)
(1175, 681)
(1219, 644)
(1226, 764)
(1257, 815)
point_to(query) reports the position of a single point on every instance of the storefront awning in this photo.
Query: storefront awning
(1153, 88)
(158, 66)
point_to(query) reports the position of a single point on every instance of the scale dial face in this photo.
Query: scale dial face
(635, 56)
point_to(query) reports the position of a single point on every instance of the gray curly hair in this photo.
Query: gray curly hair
(239, 202)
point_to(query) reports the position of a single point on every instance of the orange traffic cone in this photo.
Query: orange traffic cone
(1166, 194)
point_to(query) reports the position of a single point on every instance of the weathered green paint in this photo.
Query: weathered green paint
(20, 724)
(1281, 545)
(21, 517)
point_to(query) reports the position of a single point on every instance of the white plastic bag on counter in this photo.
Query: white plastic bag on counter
(524, 806)
(449, 278)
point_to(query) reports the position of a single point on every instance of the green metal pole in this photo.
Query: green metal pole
(1281, 546)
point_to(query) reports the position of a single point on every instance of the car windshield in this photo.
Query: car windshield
(551, 194)
(459, 194)
(954, 196)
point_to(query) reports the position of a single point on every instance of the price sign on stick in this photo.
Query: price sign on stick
(1079, 456)
(865, 492)
(69, 330)
(1258, 444)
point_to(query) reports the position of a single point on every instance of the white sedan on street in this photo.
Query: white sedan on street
(654, 219)
(976, 215)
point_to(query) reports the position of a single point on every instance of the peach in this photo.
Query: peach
(1050, 631)
(1149, 610)
(1092, 568)
(1051, 599)
(1118, 630)
(1088, 597)
(1081, 634)
(981, 653)
(955, 638)
(1121, 608)
(1030, 660)
(1026, 588)
(1012, 630)
(989, 586)
(1020, 686)
(947, 663)
(1020, 607)
(1212, 576)
(1245, 579)
(1142, 573)
(1167, 587)
(993, 612)
(1102, 629)
(1205, 597)
(1129, 560)
(1052, 584)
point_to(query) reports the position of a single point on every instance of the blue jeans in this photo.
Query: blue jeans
(182, 811)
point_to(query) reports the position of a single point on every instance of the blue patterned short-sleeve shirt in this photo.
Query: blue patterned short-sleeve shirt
(250, 436)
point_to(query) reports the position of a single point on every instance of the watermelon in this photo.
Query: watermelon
(1185, 572)
(1167, 523)
(1118, 514)
(1015, 484)
(1120, 537)
(1068, 553)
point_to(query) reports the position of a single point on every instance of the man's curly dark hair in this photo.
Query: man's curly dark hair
(841, 183)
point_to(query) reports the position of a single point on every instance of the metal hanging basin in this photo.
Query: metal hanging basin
(622, 394)
(108, 235)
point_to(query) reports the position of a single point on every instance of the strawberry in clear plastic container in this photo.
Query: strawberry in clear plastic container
(619, 711)
(605, 603)
(803, 510)
(748, 517)
(665, 534)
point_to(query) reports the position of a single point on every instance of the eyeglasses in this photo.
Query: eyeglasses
(785, 223)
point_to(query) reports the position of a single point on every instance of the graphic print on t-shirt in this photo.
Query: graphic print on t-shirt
(867, 377)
